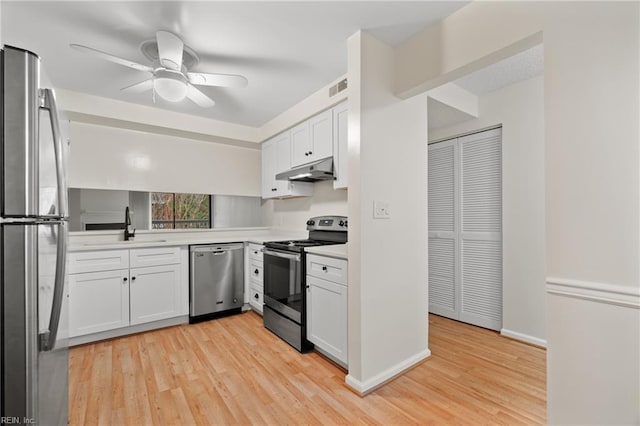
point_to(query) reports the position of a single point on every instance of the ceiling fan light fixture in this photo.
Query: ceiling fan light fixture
(171, 86)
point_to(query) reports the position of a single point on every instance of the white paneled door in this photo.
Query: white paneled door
(465, 228)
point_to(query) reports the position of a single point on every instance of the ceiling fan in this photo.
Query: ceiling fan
(170, 75)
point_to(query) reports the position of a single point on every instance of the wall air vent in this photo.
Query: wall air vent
(338, 87)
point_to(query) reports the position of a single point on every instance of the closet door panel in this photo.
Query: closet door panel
(480, 252)
(442, 194)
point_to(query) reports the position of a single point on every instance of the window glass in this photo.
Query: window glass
(180, 211)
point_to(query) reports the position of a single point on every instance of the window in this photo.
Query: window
(180, 211)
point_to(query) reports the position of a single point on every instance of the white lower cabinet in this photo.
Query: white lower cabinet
(154, 293)
(99, 301)
(105, 300)
(327, 306)
(254, 277)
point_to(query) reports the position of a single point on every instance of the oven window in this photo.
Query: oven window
(282, 281)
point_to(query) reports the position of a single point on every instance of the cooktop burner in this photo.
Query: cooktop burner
(298, 244)
(323, 230)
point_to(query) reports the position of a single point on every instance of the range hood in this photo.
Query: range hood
(312, 172)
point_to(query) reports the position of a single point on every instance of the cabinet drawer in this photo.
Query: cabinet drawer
(156, 256)
(327, 268)
(255, 271)
(96, 261)
(256, 297)
(255, 252)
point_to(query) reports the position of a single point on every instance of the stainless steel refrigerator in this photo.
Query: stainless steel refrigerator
(33, 238)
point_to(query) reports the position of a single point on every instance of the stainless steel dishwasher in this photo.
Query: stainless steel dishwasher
(216, 280)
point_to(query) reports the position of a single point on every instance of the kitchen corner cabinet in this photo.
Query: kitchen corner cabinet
(340, 145)
(327, 306)
(312, 140)
(111, 289)
(276, 158)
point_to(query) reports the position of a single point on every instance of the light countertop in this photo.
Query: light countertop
(336, 250)
(159, 240)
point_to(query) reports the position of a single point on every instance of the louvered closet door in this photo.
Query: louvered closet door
(442, 194)
(480, 266)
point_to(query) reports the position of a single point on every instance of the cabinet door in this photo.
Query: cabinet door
(300, 144)
(155, 293)
(98, 301)
(327, 317)
(340, 145)
(321, 133)
(269, 156)
(283, 162)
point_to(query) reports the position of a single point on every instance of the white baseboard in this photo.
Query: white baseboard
(524, 337)
(611, 294)
(389, 374)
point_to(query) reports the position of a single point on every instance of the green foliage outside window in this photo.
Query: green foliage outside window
(180, 211)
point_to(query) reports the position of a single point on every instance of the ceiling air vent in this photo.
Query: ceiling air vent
(337, 88)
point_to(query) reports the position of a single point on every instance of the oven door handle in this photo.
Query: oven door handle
(295, 257)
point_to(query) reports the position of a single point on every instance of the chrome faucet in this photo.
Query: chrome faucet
(128, 232)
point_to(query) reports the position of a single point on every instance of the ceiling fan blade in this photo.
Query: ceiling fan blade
(223, 80)
(111, 58)
(199, 98)
(170, 49)
(139, 87)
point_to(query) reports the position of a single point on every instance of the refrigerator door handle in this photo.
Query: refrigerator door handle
(48, 338)
(48, 102)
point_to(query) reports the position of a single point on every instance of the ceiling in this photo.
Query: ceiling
(287, 50)
(519, 67)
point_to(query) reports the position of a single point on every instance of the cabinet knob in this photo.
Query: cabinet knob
(255, 252)
(324, 268)
(256, 272)
(310, 153)
(133, 278)
(125, 279)
(255, 296)
(306, 154)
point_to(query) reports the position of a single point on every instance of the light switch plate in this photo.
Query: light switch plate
(381, 210)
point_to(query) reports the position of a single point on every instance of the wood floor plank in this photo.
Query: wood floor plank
(234, 371)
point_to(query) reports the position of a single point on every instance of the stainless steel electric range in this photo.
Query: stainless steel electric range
(285, 307)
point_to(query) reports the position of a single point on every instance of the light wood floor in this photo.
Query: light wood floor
(234, 371)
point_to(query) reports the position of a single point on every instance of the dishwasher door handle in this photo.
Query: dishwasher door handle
(218, 253)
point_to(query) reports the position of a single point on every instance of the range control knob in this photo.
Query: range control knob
(311, 222)
(346, 223)
(341, 223)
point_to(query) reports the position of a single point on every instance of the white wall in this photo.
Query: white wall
(387, 257)
(112, 158)
(520, 110)
(592, 174)
(293, 213)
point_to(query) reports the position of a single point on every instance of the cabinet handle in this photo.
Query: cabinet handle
(133, 278)
(310, 153)
(255, 252)
(255, 296)
(306, 154)
(324, 268)
(125, 279)
(256, 272)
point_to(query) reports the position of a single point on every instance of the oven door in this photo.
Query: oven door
(283, 283)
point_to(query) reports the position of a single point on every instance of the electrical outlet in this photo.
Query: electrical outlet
(381, 210)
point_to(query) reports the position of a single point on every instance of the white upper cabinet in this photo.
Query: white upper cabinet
(300, 144)
(276, 158)
(340, 144)
(313, 139)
